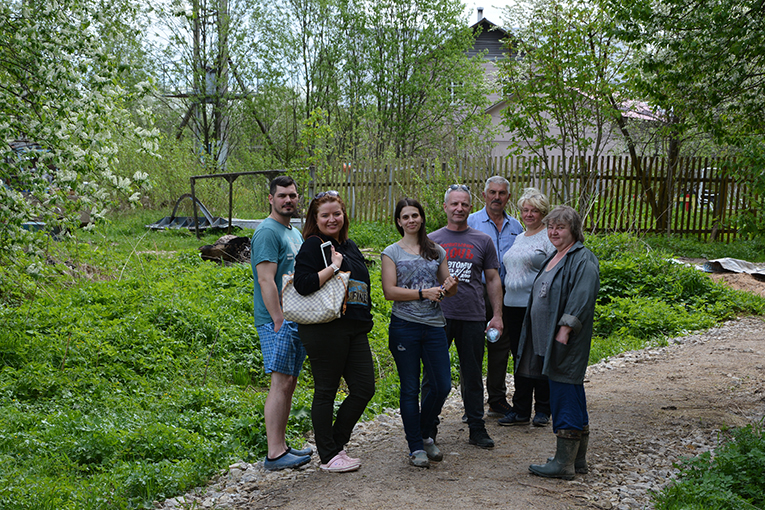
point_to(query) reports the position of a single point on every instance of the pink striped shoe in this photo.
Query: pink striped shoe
(341, 463)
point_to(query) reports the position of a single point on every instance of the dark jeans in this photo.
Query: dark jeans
(497, 356)
(338, 349)
(410, 343)
(468, 337)
(526, 388)
(569, 406)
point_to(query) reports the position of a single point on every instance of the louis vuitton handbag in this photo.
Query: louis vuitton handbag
(324, 305)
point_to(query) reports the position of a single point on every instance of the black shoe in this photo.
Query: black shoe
(464, 418)
(540, 420)
(498, 409)
(511, 419)
(481, 439)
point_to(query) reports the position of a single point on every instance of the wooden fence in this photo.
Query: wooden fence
(612, 193)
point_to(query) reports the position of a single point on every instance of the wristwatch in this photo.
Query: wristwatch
(334, 268)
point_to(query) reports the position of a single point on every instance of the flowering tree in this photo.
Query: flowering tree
(60, 97)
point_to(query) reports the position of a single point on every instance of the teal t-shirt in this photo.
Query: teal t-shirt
(272, 242)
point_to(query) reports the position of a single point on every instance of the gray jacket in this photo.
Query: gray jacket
(573, 294)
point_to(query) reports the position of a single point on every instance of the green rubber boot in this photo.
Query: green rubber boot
(562, 465)
(580, 464)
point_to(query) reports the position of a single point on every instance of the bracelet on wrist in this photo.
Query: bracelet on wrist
(421, 298)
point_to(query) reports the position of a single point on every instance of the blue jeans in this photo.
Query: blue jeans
(410, 343)
(569, 406)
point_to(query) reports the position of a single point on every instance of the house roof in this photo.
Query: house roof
(490, 39)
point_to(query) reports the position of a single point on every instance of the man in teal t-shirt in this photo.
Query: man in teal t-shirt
(272, 254)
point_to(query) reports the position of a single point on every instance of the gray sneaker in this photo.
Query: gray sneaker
(419, 459)
(511, 419)
(433, 452)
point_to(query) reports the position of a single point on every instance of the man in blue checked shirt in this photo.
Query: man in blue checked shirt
(502, 228)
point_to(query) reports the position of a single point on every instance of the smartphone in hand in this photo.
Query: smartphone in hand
(326, 252)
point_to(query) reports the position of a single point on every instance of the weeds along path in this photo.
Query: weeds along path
(647, 409)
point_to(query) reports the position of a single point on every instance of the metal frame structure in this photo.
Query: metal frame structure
(230, 177)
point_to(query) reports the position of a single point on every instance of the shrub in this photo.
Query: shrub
(729, 479)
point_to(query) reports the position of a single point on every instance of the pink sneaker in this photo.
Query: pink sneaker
(341, 463)
(343, 454)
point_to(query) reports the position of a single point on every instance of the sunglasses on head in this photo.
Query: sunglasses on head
(331, 193)
(455, 187)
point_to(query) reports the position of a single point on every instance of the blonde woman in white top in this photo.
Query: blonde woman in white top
(522, 263)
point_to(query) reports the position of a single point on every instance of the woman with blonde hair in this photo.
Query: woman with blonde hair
(522, 263)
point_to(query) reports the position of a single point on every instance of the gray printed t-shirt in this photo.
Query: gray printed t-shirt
(469, 253)
(414, 272)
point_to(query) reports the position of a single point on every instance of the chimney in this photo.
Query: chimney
(480, 13)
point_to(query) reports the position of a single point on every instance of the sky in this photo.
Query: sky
(492, 10)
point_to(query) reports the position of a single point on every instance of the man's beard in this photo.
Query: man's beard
(286, 214)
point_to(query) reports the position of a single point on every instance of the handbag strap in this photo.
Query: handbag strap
(345, 298)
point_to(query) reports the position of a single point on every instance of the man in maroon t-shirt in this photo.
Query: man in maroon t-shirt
(470, 254)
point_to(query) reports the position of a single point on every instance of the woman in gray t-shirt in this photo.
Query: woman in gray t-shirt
(415, 276)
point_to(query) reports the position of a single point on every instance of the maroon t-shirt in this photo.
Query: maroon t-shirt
(468, 252)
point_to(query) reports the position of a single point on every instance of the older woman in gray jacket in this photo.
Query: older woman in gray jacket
(559, 323)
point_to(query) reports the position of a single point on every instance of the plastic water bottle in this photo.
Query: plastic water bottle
(492, 335)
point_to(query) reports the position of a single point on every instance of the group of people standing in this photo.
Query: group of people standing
(535, 286)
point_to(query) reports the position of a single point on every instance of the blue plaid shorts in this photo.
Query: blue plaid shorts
(283, 352)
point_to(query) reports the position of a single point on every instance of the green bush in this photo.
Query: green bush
(730, 479)
(376, 236)
(648, 317)
(752, 250)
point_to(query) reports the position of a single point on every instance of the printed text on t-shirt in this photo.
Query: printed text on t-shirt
(460, 271)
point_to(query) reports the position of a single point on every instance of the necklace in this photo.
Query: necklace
(414, 249)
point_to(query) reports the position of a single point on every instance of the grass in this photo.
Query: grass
(130, 369)
(729, 479)
(752, 250)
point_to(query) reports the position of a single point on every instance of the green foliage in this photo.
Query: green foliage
(63, 90)
(561, 86)
(645, 318)
(393, 79)
(144, 379)
(645, 297)
(752, 250)
(700, 59)
(168, 174)
(729, 479)
(414, 69)
(376, 236)
(750, 169)
(133, 384)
